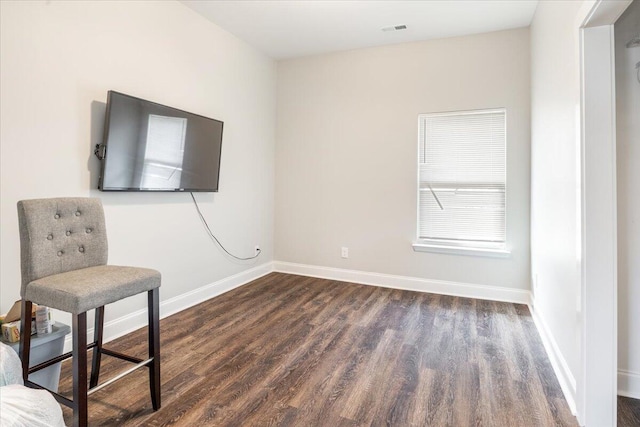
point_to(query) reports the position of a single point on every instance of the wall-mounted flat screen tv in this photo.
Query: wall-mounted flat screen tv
(152, 147)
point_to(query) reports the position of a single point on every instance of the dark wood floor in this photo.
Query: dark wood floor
(628, 412)
(297, 351)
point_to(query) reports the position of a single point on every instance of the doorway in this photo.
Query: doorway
(627, 84)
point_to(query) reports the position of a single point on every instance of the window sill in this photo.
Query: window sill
(460, 250)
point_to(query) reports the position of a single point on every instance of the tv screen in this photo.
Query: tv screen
(152, 147)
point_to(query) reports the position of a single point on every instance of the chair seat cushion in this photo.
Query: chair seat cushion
(81, 290)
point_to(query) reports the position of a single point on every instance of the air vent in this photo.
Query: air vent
(394, 28)
(635, 42)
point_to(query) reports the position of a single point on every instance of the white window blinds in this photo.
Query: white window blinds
(462, 178)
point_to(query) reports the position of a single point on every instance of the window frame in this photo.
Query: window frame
(461, 247)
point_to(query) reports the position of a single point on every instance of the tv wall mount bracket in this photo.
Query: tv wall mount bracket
(100, 151)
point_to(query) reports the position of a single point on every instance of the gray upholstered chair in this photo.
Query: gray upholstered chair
(63, 246)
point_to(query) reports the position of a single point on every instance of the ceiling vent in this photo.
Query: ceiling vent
(634, 42)
(394, 28)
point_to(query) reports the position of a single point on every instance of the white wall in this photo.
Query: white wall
(555, 180)
(628, 180)
(346, 152)
(58, 59)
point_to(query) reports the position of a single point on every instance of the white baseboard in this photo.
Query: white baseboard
(560, 367)
(442, 287)
(629, 384)
(123, 325)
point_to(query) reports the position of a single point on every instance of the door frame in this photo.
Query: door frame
(597, 381)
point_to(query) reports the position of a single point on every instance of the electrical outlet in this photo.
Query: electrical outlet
(344, 252)
(257, 250)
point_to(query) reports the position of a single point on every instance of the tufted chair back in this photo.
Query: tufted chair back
(60, 235)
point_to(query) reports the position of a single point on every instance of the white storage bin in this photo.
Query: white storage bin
(45, 347)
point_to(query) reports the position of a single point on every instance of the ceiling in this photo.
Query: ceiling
(288, 29)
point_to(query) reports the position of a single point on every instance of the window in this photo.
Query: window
(462, 181)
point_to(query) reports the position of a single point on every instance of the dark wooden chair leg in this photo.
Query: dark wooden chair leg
(79, 367)
(154, 347)
(24, 348)
(97, 350)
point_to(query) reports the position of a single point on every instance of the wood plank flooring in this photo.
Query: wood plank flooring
(628, 412)
(288, 350)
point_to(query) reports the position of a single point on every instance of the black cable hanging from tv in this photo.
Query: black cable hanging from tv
(204, 221)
